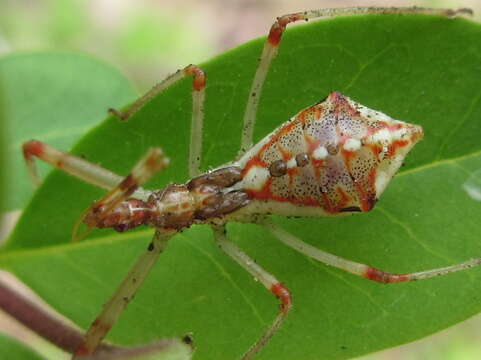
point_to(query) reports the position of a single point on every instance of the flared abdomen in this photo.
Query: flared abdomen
(333, 157)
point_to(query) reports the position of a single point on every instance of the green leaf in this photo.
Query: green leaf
(424, 70)
(54, 97)
(3, 147)
(16, 350)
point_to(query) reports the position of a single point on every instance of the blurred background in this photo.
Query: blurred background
(148, 39)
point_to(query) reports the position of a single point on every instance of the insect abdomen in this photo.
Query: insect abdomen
(333, 157)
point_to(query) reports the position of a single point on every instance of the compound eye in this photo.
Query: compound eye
(278, 168)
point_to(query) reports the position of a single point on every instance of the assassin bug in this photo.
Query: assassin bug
(333, 158)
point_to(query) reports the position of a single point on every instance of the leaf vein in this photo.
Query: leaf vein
(461, 123)
(409, 231)
(229, 278)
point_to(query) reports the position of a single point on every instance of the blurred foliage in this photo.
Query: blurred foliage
(3, 159)
(145, 40)
(41, 100)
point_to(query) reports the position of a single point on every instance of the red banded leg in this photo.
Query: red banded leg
(358, 269)
(271, 46)
(96, 175)
(198, 96)
(266, 279)
(78, 167)
(124, 293)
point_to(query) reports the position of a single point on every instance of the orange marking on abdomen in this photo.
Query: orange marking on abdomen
(264, 194)
(312, 144)
(301, 117)
(395, 145)
(286, 129)
(369, 199)
(327, 204)
(372, 178)
(255, 161)
(292, 173)
(275, 137)
(379, 125)
(394, 127)
(286, 155)
(348, 156)
(304, 116)
(344, 199)
(376, 150)
(317, 165)
(329, 207)
(367, 196)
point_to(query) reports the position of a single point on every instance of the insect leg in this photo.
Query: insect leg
(266, 279)
(198, 96)
(359, 269)
(76, 166)
(272, 43)
(152, 162)
(124, 293)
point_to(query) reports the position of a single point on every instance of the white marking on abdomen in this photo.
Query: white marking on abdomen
(256, 178)
(291, 163)
(352, 144)
(319, 153)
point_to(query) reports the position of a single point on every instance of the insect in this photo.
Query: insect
(333, 158)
